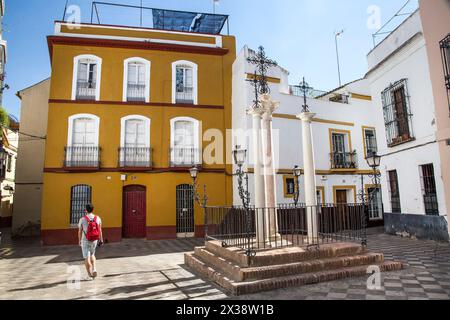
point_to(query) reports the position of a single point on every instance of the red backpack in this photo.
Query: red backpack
(93, 230)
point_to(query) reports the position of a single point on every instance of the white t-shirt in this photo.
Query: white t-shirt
(84, 225)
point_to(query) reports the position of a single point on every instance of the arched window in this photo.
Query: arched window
(136, 87)
(81, 195)
(185, 142)
(135, 148)
(82, 144)
(87, 73)
(185, 82)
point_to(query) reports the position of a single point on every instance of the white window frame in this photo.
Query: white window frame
(147, 77)
(76, 61)
(196, 136)
(123, 123)
(80, 116)
(194, 67)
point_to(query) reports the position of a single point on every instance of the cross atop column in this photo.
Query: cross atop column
(304, 88)
(263, 63)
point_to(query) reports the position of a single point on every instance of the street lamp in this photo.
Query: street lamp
(374, 160)
(240, 156)
(201, 200)
(297, 173)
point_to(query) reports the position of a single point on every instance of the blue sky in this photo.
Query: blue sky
(298, 34)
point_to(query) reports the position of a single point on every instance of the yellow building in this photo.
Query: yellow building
(127, 112)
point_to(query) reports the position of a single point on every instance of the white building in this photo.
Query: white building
(8, 155)
(343, 129)
(401, 87)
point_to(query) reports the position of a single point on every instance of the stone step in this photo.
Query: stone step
(285, 255)
(233, 271)
(240, 288)
(260, 273)
(227, 267)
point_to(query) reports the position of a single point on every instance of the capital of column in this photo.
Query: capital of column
(269, 106)
(306, 116)
(256, 112)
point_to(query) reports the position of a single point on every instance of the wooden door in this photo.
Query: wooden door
(341, 196)
(134, 212)
(342, 218)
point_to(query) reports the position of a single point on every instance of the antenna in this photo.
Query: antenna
(65, 10)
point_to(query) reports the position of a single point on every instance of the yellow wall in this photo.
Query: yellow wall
(214, 88)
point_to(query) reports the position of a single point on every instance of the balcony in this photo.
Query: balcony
(184, 157)
(185, 95)
(135, 158)
(136, 92)
(344, 160)
(82, 157)
(86, 90)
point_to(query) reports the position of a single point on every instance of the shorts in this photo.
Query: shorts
(88, 248)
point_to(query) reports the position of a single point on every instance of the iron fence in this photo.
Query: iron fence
(184, 157)
(185, 95)
(257, 229)
(86, 157)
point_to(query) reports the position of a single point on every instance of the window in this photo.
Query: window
(184, 90)
(82, 146)
(289, 186)
(185, 149)
(135, 148)
(136, 80)
(81, 195)
(429, 189)
(375, 205)
(394, 191)
(86, 78)
(342, 155)
(445, 52)
(397, 115)
(370, 141)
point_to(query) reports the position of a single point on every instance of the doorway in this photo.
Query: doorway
(185, 211)
(134, 212)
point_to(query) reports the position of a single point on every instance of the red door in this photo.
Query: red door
(134, 212)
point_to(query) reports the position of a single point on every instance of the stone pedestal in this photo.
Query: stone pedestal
(310, 175)
(259, 196)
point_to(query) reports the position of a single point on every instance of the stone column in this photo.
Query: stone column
(310, 175)
(260, 199)
(269, 107)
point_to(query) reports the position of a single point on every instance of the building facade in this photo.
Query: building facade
(343, 129)
(413, 173)
(8, 155)
(30, 159)
(129, 112)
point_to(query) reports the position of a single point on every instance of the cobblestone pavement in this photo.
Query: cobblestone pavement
(137, 269)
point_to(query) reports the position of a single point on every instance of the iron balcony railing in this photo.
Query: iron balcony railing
(185, 95)
(136, 92)
(86, 90)
(135, 157)
(82, 157)
(286, 226)
(344, 160)
(184, 157)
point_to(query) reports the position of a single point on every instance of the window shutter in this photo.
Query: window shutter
(82, 71)
(132, 73)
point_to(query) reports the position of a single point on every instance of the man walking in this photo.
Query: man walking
(90, 236)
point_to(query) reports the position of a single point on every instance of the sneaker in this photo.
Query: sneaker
(94, 274)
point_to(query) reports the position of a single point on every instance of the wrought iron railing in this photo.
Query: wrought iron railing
(344, 160)
(135, 157)
(395, 204)
(86, 90)
(136, 92)
(85, 157)
(286, 226)
(184, 157)
(185, 95)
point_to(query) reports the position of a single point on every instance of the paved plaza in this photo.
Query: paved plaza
(137, 269)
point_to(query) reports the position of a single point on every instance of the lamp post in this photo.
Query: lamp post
(201, 200)
(239, 156)
(297, 173)
(336, 35)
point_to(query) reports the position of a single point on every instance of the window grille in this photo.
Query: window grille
(81, 195)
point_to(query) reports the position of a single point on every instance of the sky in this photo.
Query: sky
(298, 34)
